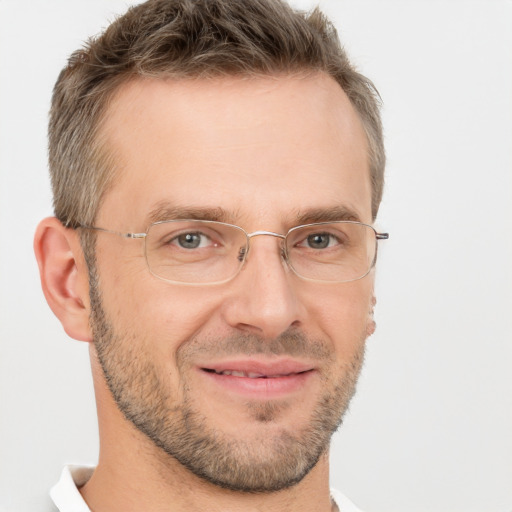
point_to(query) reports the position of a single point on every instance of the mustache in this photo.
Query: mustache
(289, 343)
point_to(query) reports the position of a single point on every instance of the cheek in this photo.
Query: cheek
(343, 313)
(149, 310)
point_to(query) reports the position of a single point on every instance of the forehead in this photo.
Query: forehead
(266, 148)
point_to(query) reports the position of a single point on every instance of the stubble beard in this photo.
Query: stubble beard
(260, 464)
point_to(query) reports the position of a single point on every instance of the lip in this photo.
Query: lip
(259, 379)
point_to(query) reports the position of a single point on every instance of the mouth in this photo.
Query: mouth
(251, 375)
(259, 379)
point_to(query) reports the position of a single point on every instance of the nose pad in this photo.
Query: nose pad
(244, 251)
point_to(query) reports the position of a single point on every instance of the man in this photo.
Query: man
(216, 168)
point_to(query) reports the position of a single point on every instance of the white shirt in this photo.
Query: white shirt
(67, 498)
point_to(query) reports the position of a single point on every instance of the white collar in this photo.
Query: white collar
(65, 493)
(67, 498)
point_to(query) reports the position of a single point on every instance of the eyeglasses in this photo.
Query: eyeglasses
(201, 252)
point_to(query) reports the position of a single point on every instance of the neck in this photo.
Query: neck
(132, 486)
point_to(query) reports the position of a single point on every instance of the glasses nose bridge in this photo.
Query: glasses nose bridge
(250, 236)
(268, 233)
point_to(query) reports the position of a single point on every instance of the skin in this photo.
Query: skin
(266, 150)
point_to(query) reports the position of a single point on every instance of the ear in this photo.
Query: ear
(371, 325)
(64, 276)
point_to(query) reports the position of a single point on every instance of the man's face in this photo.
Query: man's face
(266, 152)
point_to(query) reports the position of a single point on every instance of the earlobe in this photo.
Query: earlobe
(64, 277)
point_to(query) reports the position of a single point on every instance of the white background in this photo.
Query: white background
(430, 429)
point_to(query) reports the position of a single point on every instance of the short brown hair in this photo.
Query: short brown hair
(188, 39)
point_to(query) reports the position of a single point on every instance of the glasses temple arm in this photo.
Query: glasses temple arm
(124, 235)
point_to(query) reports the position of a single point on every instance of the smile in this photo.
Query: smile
(262, 379)
(251, 375)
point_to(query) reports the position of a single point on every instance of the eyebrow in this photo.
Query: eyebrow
(331, 214)
(165, 211)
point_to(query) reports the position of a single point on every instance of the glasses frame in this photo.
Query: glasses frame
(249, 236)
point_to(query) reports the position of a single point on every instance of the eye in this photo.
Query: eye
(191, 240)
(319, 241)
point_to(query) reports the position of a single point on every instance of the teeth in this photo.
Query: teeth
(250, 375)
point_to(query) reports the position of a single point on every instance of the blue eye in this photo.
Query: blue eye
(191, 240)
(319, 240)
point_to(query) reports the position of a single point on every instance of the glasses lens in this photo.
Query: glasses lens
(337, 251)
(193, 251)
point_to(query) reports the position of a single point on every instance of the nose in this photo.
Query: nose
(263, 298)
